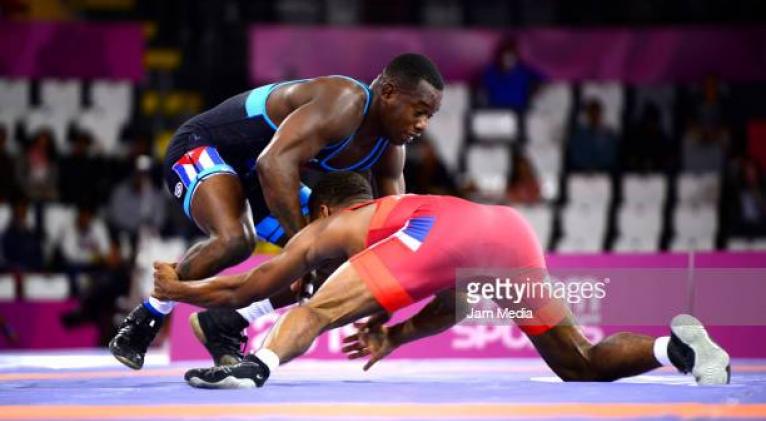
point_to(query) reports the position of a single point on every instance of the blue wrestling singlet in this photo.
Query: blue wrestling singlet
(228, 139)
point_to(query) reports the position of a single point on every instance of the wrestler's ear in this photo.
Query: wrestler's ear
(387, 88)
(324, 211)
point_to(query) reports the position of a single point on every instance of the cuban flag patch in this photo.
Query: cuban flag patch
(197, 164)
(415, 231)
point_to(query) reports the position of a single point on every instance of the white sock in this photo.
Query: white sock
(269, 358)
(164, 307)
(661, 350)
(255, 310)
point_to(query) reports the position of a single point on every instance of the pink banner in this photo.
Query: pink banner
(641, 56)
(71, 49)
(37, 326)
(498, 341)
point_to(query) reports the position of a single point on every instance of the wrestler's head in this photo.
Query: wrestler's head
(337, 191)
(409, 93)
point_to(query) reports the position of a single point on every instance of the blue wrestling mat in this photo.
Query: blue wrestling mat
(90, 385)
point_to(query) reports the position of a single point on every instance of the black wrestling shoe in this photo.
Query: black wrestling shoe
(692, 351)
(220, 331)
(249, 373)
(135, 334)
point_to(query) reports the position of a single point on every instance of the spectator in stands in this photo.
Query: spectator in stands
(749, 216)
(523, 187)
(137, 203)
(21, 245)
(85, 244)
(98, 301)
(8, 184)
(78, 166)
(38, 172)
(593, 146)
(648, 148)
(508, 82)
(425, 173)
(708, 132)
(137, 143)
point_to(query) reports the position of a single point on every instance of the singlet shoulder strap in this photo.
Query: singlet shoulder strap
(341, 144)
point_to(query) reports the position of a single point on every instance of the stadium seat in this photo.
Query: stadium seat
(593, 190)
(549, 184)
(583, 218)
(447, 127)
(540, 217)
(554, 100)
(150, 249)
(488, 166)
(584, 226)
(635, 244)
(447, 132)
(115, 98)
(738, 244)
(640, 220)
(104, 129)
(61, 96)
(644, 189)
(692, 244)
(546, 119)
(545, 157)
(639, 227)
(543, 128)
(494, 125)
(46, 287)
(579, 244)
(746, 244)
(7, 287)
(612, 98)
(14, 96)
(55, 218)
(695, 227)
(698, 189)
(6, 214)
(8, 120)
(455, 99)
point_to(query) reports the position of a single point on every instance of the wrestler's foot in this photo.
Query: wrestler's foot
(249, 373)
(220, 330)
(135, 334)
(692, 351)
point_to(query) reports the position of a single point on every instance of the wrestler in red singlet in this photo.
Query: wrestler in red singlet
(416, 244)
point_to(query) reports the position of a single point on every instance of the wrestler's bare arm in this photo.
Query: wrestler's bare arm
(318, 242)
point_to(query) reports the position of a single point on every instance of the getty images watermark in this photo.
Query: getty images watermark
(631, 297)
(500, 296)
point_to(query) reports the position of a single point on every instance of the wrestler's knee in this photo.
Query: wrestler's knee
(236, 244)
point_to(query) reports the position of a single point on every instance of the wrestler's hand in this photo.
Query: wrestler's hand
(372, 338)
(303, 288)
(165, 277)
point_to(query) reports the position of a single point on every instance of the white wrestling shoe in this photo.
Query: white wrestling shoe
(692, 351)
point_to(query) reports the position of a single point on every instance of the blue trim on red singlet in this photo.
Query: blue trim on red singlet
(419, 227)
